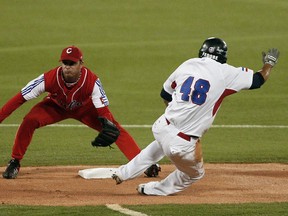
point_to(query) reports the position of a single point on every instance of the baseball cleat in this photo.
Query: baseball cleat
(140, 189)
(12, 169)
(117, 179)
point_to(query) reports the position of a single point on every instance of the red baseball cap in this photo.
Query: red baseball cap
(71, 53)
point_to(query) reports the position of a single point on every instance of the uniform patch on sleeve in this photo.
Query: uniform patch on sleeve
(103, 97)
(245, 69)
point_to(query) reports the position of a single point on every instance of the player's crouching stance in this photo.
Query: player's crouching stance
(74, 92)
(193, 94)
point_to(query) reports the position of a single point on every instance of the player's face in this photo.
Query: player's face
(71, 70)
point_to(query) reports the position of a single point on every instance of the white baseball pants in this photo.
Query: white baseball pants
(185, 155)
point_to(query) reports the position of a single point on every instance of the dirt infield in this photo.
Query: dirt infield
(223, 183)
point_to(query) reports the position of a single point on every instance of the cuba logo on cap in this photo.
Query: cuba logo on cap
(69, 50)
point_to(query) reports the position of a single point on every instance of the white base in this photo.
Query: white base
(97, 173)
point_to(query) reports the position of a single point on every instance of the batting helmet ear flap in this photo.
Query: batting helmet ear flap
(214, 48)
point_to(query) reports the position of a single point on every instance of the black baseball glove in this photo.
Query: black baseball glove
(108, 135)
(153, 170)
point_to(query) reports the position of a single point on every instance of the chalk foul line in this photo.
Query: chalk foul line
(126, 211)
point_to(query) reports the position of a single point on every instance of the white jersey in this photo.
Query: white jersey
(198, 87)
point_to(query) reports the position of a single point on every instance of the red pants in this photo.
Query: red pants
(47, 112)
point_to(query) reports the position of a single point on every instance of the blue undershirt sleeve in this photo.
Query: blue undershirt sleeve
(165, 95)
(258, 81)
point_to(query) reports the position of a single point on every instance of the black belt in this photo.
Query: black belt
(182, 135)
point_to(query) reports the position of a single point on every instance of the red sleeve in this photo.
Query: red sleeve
(105, 112)
(11, 105)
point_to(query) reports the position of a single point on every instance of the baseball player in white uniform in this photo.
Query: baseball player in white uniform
(193, 94)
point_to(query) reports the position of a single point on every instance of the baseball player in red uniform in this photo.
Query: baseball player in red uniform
(193, 94)
(73, 92)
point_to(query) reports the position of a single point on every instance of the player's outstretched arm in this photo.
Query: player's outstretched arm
(11, 105)
(269, 61)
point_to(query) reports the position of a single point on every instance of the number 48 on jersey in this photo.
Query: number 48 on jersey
(197, 90)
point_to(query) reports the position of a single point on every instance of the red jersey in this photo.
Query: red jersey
(87, 88)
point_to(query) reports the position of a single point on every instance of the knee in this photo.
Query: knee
(192, 177)
(31, 121)
(200, 174)
(197, 174)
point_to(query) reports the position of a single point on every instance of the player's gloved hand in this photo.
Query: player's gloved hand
(108, 135)
(153, 170)
(271, 57)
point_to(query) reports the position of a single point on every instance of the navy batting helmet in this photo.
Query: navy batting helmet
(214, 48)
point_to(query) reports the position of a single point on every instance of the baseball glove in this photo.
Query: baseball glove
(108, 135)
(271, 57)
(153, 170)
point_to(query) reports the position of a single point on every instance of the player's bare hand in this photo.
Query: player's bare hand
(271, 57)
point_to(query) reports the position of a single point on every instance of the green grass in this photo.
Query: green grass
(133, 46)
(216, 209)
(267, 209)
(229, 145)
